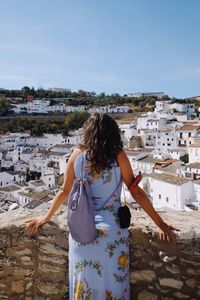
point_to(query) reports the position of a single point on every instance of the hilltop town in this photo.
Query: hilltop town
(162, 144)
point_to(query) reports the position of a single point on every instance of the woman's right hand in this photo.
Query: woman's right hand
(32, 224)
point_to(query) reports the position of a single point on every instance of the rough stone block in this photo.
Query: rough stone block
(17, 287)
(171, 282)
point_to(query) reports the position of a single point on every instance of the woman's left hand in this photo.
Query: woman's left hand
(167, 233)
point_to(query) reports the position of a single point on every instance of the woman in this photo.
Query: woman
(99, 270)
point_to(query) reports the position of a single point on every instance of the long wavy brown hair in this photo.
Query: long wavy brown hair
(101, 141)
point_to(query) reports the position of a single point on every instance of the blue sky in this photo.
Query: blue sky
(101, 45)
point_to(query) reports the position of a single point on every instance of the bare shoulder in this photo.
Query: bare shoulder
(125, 167)
(121, 157)
(74, 155)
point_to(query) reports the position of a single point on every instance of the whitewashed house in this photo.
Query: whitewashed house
(163, 106)
(127, 132)
(153, 121)
(193, 170)
(6, 178)
(37, 185)
(176, 153)
(38, 107)
(47, 141)
(148, 138)
(63, 148)
(75, 136)
(26, 156)
(188, 109)
(70, 108)
(9, 190)
(48, 177)
(110, 109)
(133, 157)
(19, 108)
(197, 193)
(168, 191)
(21, 165)
(57, 160)
(186, 133)
(194, 153)
(165, 140)
(7, 163)
(56, 108)
(37, 161)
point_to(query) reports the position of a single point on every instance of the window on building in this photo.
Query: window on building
(159, 196)
(189, 134)
(167, 199)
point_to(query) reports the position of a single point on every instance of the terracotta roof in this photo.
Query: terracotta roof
(163, 164)
(10, 188)
(195, 165)
(188, 128)
(56, 153)
(63, 145)
(150, 159)
(169, 178)
(194, 146)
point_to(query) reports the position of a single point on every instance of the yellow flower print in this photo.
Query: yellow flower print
(79, 290)
(123, 260)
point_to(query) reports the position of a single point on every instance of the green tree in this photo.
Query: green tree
(4, 107)
(185, 158)
(75, 120)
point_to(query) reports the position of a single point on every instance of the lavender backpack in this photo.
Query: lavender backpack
(81, 215)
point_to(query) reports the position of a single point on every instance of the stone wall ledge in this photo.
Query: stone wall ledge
(36, 267)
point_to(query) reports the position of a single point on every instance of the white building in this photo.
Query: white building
(188, 109)
(176, 153)
(127, 132)
(8, 177)
(194, 153)
(146, 94)
(110, 109)
(163, 106)
(166, 140)
(150, 121)
(186, 133)
(192, 170)
(197, 193)
(168, 191)
(48, 177)
(70, 108)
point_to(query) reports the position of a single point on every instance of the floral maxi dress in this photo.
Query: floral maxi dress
(100, 270)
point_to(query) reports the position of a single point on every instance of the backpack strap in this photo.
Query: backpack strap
(111, 194)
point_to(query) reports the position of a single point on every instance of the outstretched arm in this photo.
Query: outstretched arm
(32, 224)
(139, 195)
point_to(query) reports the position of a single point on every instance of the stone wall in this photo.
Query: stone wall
(36, 267)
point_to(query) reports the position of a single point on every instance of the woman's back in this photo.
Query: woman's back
(103, 185)
(99, 270)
